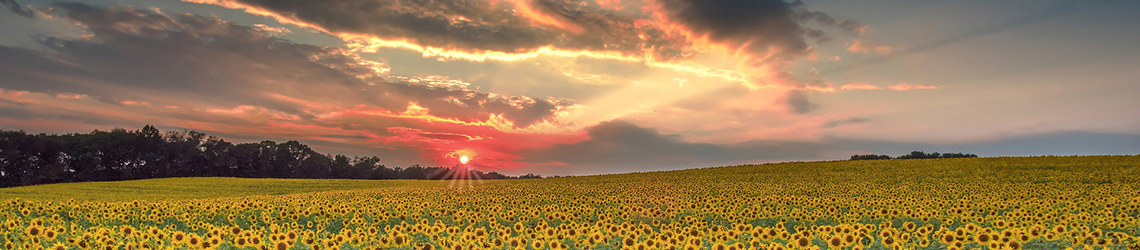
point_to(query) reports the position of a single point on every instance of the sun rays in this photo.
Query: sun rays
(460, 176)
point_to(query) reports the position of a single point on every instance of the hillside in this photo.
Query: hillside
(1039, 169)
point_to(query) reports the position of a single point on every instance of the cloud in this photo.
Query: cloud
(218, 62)
(658, 31)
(141, 66)
(762, 28)
(15, 7)
(798, 102)
(824, 88)
(803, 14)
(859, 86)
(628, 147)
(860, 46)
(755, 26)
(509, 26)
(906, 86)
(836, 123)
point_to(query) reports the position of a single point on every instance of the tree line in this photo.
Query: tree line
(119, 154)
(914, 155)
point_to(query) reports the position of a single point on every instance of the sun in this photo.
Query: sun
(464, 159)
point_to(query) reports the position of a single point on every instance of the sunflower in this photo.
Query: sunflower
(890, 241)
(983, 238)
(194, 240)
(836, 241)
(719, 246)
(803, 242)
(49, 234)
(1014, 245)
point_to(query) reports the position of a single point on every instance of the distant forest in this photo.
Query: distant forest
(914, 155)
(119, 154)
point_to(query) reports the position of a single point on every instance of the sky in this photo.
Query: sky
(567, 87)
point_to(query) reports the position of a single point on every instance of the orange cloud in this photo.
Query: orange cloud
(17, 96)
(859, 86)
(611, 4)
(524, 8)
(69, 96)
(906, 86)
(860, 46)
(331, 98)
(491, 143)
(662, 34)
(824, 89)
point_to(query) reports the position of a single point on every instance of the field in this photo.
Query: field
(1089, 202)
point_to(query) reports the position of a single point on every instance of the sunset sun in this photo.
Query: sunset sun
(464, 159)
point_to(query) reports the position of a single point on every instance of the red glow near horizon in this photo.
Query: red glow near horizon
(437, 141)
(488, 144)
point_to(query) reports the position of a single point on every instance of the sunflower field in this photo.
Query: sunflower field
(1086, 202)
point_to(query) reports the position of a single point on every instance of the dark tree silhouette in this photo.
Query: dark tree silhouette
(870, 157)
(530, 176)
(914, 155)
(119, 154)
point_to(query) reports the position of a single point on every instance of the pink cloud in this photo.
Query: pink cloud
(859, 86)
(905, 86)
(69, 96)
(134, 103)
(823, 89)
(16, 96)
(859, 46)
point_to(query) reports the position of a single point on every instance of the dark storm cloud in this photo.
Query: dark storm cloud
(756, 25)
(798, 102)
(609, 30)
(189, 60)
(738, 22)
(15, 7)
(438, 23)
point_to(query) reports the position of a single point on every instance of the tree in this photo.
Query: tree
(119, 154)
(914, 155)
(870, 157)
